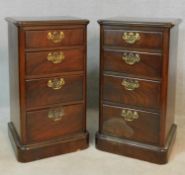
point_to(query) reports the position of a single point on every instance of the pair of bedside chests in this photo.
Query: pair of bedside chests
(48, 73)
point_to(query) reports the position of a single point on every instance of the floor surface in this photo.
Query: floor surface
(90, 161)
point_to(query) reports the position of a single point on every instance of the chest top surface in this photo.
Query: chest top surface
(130, 21)
(53, 20)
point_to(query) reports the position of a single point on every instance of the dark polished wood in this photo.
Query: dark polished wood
(140, 22)
(46, 21)
(41, 128)
(39, 94)
(38, 64)
(147, 95)
(137, 93)
(149, 39)
(113, 124)
(138, 150)
(149, 66)
(14, 78)
(39, 150)
(48, 95)
(38, 39)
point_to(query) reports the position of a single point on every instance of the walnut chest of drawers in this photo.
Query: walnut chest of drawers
(47, 59)
(137, 87)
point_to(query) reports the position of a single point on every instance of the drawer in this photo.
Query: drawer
(66, 60)
(135, 63)
(54, 38)
(133, 39)
(54, 90)
(131, 124)
(55, 122)
(131, 91)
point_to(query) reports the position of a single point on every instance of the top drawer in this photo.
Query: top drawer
(133, 39)
(54, 38)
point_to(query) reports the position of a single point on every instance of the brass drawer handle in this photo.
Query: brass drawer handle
(130, 85)
(56, 83)
(129, 115)
(56, 36)
(56, 114)
(131, 58)
(131, 37)
(56, 57)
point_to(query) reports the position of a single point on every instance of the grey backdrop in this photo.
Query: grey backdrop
(92, 10)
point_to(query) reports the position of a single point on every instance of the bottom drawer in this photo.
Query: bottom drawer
(55, 122)
(130, 124)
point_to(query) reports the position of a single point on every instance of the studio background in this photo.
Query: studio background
(91, 161)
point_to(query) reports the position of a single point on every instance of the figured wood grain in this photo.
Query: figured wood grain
(150, 64)
(155, 96)
(31, 96)
(115, 125)
(148, 39)
(147, 95)
(38, 64)
(138, 150)
(39, 94)
(42, 128)
(38, 39)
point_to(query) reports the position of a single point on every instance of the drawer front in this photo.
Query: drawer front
(67, 60)
(54, 90)
(131, 91)
(131, 124)
(54, 38)
(133, 39)
(54, 122)
(149, 65)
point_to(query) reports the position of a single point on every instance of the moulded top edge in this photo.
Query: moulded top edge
(32, 21)
(155, 22)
